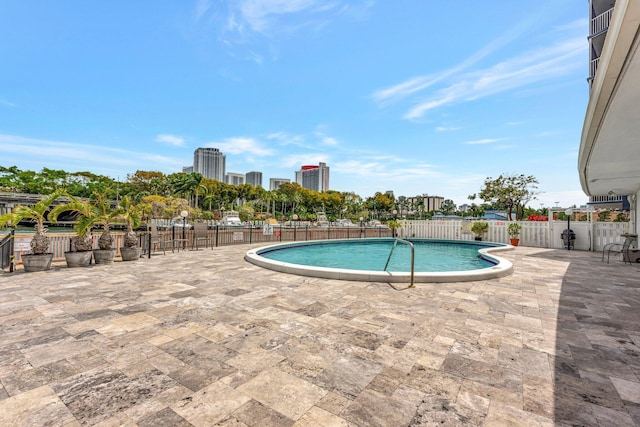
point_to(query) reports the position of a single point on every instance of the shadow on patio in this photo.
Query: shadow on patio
(597, 350)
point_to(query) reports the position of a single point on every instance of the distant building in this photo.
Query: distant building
(210, 163)
(274, 183)
(254, 178)
(610, 202)
(234, 178)
(187, 169)
(314, 177)
(431, 203)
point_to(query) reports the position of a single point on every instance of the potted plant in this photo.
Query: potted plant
(130, 251)
(514, 233)
(40, 257)
(97, 211)
(479, 228)
(81, 244)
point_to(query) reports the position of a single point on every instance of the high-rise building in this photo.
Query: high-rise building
(314, 177)
(274, 183)
(254, 178)
(187, 169)
(234, 178)
(210, 163)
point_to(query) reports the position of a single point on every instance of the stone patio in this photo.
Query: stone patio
(203, 338)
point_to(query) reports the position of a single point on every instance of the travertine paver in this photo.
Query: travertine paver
(203, 338)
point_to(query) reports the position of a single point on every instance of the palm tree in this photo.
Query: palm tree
(90, 214)
(36, 213)
(131, 216)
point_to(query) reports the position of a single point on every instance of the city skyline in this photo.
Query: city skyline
(419, 98)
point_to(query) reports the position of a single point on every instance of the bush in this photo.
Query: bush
(480, 227)
(514, 230)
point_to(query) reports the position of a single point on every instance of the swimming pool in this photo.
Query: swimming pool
(365, 259)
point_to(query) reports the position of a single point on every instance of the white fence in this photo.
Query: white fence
(543, 234)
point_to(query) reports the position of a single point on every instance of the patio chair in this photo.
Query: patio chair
(200, 232)
(158, 241)
(620, 248)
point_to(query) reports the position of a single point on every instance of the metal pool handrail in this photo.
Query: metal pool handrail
(395, 243)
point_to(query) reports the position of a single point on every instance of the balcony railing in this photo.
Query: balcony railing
(600, 23)
(593, 67)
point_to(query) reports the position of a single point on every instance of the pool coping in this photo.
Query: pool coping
(503, 267)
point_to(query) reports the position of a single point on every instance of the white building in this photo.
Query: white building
(210, 163)
(274, 183)
(314, 177)
(609, 154)
(254, 178)
(234, 178)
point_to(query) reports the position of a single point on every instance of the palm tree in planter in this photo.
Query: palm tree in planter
(130, 251)
(81, 244)
(479, 228)
(97, 211)
(40, 257)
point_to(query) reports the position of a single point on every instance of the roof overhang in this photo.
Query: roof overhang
(609, 156)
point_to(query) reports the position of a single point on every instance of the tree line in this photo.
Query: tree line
(166, 195)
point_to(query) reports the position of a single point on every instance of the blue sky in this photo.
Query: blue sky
(414, 96)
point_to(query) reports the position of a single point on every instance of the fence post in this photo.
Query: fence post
(217, 232)
(12, 252)
(250, 233)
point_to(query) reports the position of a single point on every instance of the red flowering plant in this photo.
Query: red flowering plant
(539, 218)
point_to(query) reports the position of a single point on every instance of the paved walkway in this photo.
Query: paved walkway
(203, 338)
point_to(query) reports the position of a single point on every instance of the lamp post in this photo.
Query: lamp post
(295, 218)
(395, 216)
(361, 219)
(568, 213)
(184, 215)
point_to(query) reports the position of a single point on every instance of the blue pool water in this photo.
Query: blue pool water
(430, 256)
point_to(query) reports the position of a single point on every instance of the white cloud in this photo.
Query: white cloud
(100, 159)
(269, 17)
(242, 145)
(202, 6)
(177, 141)
(285, 139)
(530, 67)
(483, 141)
(446, 129)
(298, 159)
(454, 85)
(6, 103)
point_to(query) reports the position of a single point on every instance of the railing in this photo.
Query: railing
(413, 257)
(6, 252)
(600, 23)
(219, 236)
(593, 67)
(542, 234)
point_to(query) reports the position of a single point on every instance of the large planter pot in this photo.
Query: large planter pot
(514, 242)
(36, 262)
(103, 256)
(78, 259)
(130, 253)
